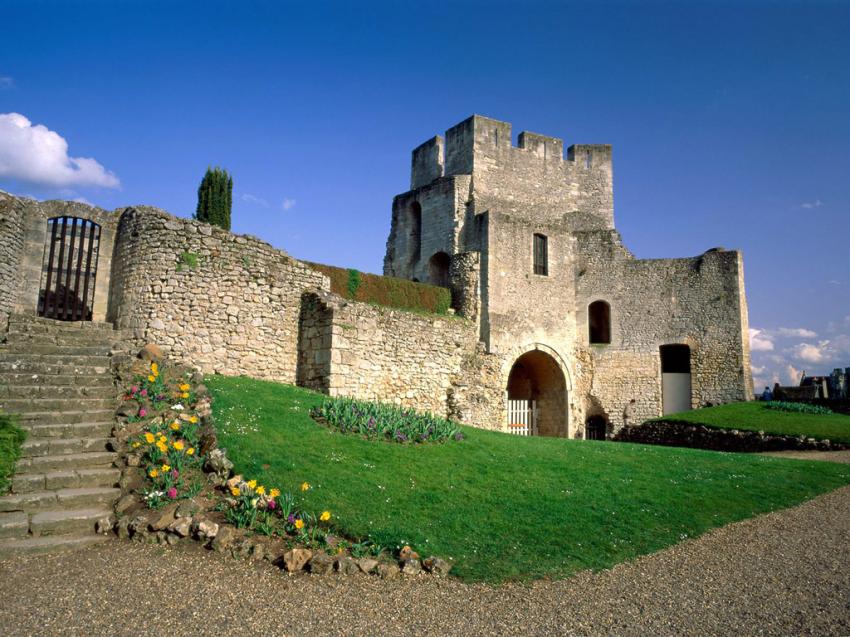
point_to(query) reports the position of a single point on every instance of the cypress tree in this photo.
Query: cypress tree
(215, 198)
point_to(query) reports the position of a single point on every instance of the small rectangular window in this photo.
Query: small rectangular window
(541, 255)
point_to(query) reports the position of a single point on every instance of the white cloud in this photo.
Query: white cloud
(810, 205)
(83, 200)
(6, 82)
(252, 199)
(809, 353)
(40, 156)
(795, 332)
(759, 341)
(793, 375)
(287, 204)
(758, 370)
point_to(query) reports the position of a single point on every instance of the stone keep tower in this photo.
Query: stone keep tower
(524, 236)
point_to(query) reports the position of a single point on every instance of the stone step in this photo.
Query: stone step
(22, 406)
(38, 447)
(73, 335)
(100, 429)
(66, 462)
(75, 498)
(56, 380)
(14, 524)
(30, 418)
(47, 349)
(49, 543)
(66, 521)
(31, 321)
(22, 358)
(44, 367)
(50, 391)
(81, 478)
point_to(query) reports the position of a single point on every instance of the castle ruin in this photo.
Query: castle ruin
(559, 331)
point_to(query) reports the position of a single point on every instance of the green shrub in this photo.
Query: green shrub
(386, 290)
(799, 408)
(187, 259)
(11, 439)
(383, 421)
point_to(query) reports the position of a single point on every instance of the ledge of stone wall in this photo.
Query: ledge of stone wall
(678, 433)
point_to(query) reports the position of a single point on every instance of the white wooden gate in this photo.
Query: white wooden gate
(522, 417)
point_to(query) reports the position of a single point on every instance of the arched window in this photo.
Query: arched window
(599, 322)
(414, 232)
(438, 269)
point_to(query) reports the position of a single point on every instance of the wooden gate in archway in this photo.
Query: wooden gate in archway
(70, 265)
(522, 417)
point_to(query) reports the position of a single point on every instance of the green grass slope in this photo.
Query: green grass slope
(755, 416)
(11, 439)
(504, 507)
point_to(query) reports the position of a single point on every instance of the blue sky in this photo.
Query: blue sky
(729, 123)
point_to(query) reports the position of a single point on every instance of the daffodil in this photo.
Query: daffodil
(136, 445)
(153, 473)
(234, 491)
(305, 486)
(252, 483)
(166, 467)
(326, 515)
(299, 524)
(185, 394)
(162, 447)
(261, 490)
(149, 438)
(178, 445)
(151, 378)
(274, 493)
(190, 451)
(175, 426)
(184, 387)
(193, 419)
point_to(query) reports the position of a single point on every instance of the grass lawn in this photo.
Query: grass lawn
(11, 438)
(755, 416)
(503, 507)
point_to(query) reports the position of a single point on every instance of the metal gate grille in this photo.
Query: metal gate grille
(70, 264)
(522, 417)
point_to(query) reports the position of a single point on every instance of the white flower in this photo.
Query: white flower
(177, 407)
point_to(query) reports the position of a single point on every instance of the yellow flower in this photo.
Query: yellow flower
(234, 491)
(162, 438)
(151, 378)
(305, 486)
(261, 490)
(185, 394)
(136, 445)
(162, 447)
(178, 445)
(184, 387)
(149, 438)
(252, 483)
(175, 426)
(165, 468)
(299, 524)
(193, 419)
(190, 451)
(274, 493)
(153, 473)
(154, 369)
(326, 515)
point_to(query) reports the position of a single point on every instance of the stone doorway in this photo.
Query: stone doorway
(675, 378)
(536, 376)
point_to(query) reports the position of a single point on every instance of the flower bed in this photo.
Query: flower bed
(800, 408)
(178, 484)
(385, 422)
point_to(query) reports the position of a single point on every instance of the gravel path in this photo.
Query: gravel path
(785, 573)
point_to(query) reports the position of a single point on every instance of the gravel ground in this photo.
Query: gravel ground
(785, 573)
(829, 456)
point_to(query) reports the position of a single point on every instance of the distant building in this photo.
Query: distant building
(835, 386)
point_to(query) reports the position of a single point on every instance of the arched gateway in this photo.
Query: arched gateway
(537, 396)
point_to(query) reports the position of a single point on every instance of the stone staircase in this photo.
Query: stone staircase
(57, 378)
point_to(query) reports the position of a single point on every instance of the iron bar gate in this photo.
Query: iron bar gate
(70, 262)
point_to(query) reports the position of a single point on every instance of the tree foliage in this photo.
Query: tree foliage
(215, 198)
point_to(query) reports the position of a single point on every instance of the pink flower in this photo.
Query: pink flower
(144, 392)
(142, 412)
(134, 389)
(174, 474)
(271, 505)
(171, 493)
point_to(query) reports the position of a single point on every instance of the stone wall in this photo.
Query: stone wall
(11, 251)
(429, 363)
(225, 303)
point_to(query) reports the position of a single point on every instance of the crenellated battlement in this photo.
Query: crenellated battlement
(480, 140)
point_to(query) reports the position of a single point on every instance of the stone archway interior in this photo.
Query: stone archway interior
(536, 376)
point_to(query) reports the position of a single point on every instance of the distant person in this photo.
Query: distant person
(767, 394)
(629, 413)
